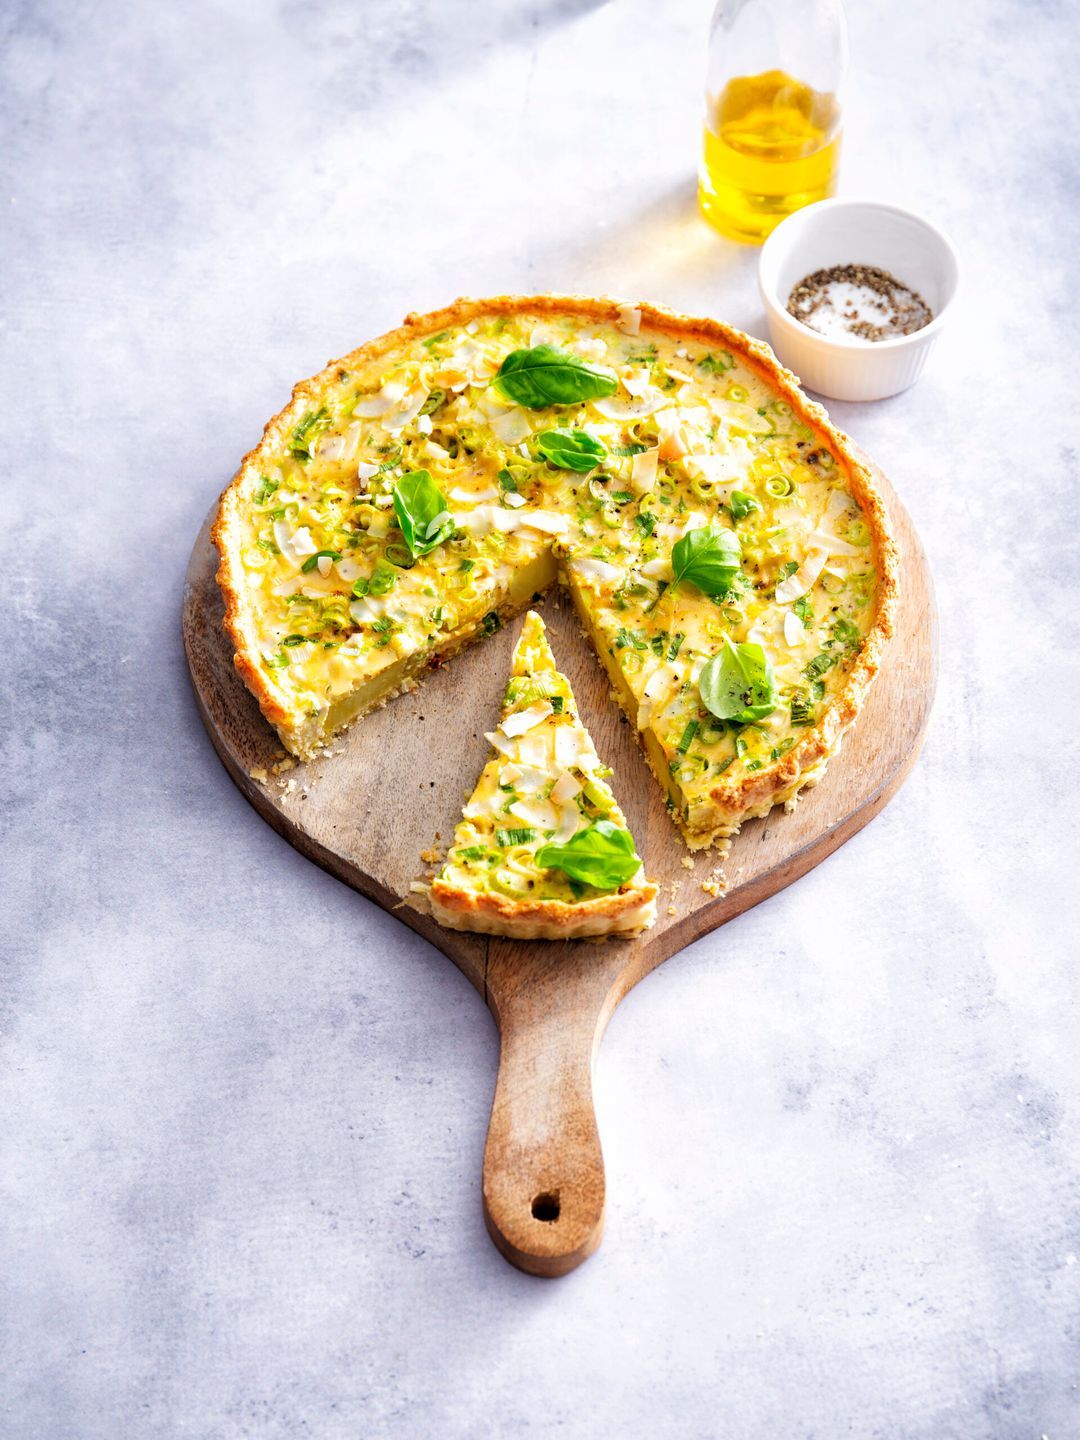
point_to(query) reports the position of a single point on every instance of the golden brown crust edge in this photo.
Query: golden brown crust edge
(624, 912)
(733, 802)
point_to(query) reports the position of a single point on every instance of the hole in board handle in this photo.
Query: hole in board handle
(545, 1206)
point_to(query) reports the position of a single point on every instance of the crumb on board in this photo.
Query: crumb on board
(257, 772)
(687, 863)
(432, 856)
(282, 765)
(715, 883)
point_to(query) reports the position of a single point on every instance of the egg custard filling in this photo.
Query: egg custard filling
(542, 849)
(726, 550)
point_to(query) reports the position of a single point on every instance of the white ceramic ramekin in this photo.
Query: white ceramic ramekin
(856, 232)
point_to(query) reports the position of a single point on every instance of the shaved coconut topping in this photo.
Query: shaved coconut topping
(498, 741)
(485, 518)
(366, 469)
(348, 569)
(613, 407)
(571, 821)
(412, 405)
(539, 813)
(367, 608)
(794, 629)
(383, 402)
(514, 500)
(803, 578)
(526, 778)
(658, 569)
(832, 544)
(597, 571)
(283, 539)
(629, 320)
(565, 788)
(637, 382)
(643, 470)
(522, 720)
(511, 427)
(423, 425)
(461, 496)
(325, 564)
(572, 747)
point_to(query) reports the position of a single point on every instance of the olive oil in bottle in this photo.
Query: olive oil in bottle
(772, 145)
(772, 111)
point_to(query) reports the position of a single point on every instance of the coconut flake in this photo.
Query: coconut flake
(423, 425)
(613, 407)
(526, 778)
(330, 447)
(413, 403)
(365, 609)
(514, 500)
(366, 469)
(832, 544)
(383, 402)
(325, 564)
(629, 320)
(511, 427)
(499, 742)
(637, 382)
(349, 570)
(572, 747)
(522, 720)
(803, 579)
(570, 822)
(565, 788)
(643, 470)
(597, 571)
(794, 629)
(539, 813)
(658, 569)
(461, 496)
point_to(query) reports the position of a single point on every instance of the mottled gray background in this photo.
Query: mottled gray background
(241, 1134)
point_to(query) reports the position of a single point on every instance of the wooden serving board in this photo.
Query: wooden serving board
(396, 781)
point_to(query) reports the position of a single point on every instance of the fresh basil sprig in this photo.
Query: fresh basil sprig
(421, 512)
(737, 683)
(571, 449)
(601, 855)
(708, 558)
(546, 375)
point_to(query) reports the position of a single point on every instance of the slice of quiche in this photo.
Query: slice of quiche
(543, 851)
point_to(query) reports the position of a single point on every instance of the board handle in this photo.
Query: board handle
(543, 1165)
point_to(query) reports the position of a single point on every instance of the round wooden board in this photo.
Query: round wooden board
(394, 784)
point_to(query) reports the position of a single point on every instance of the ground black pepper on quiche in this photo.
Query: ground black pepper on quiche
(726, 550)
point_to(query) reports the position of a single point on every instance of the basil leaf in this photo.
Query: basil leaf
(571, 449)
(737, 684)
(741, 504)
(602, 855)
(546, 375)
(421, 512)
(708, 558)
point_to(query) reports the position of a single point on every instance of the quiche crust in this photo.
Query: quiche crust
(717, 812)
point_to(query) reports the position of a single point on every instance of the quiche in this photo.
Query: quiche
(726, 549)
(543, 851)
